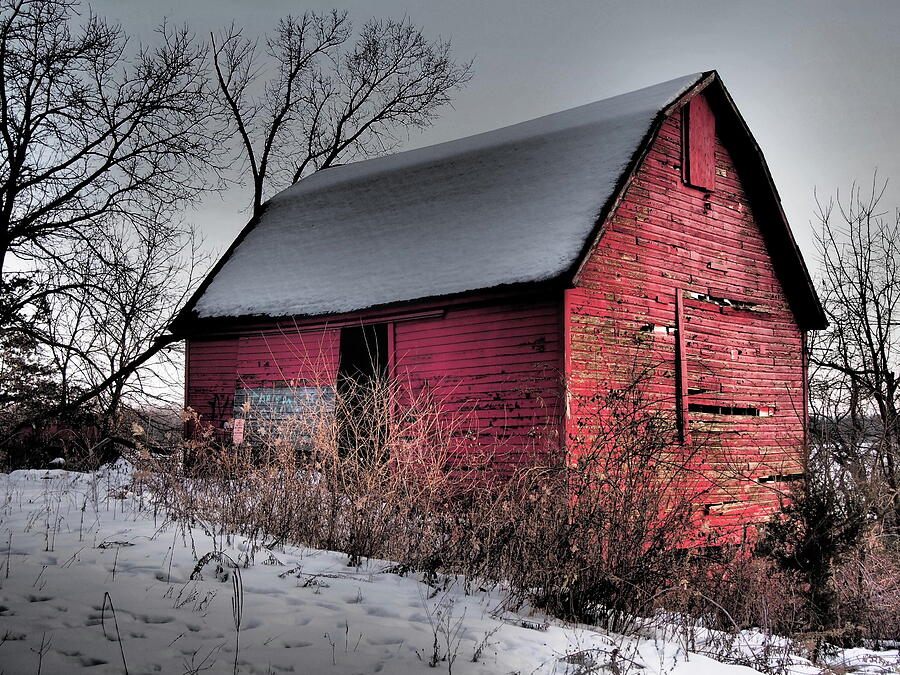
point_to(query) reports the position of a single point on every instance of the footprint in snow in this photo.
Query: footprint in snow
(383, 612)
(154, 618)
(328, 605)
(90, 662)
(169, 578)
(383, 641)
(295, 644)
(264, 591)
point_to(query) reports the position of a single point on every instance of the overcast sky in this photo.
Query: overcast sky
(817, 81)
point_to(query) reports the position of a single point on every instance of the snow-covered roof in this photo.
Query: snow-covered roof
(509, 206)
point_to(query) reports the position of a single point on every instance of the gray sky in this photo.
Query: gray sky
(816, 80)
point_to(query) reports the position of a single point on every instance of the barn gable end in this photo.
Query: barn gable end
(727, 355)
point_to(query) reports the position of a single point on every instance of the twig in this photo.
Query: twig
(107, 598)
(237, 611)
(42, 650)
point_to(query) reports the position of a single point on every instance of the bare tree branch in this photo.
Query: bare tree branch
(101, 147)
(855, 361)
(329, 99)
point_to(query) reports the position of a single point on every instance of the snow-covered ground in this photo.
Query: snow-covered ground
(91, 578)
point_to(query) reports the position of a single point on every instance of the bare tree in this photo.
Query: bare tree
(88, 133)
(124, 289)
(855, 361)
(100, 147)
(332, 96)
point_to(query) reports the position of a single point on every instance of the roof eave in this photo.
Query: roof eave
(191, 323)
(812, 315)
(187, 316)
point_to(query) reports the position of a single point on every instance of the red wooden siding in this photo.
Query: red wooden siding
(665, 236)
(699, 143)
(211, 367)
(307, 358)
(496, 369)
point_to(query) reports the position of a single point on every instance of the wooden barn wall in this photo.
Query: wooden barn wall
(217, 368)
(306, 358)
(493, 368)
(496, 371)
(210, 371)
(621, 317)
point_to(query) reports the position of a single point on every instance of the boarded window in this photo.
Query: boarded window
(280, 409)
(699, 144)
(278, 403)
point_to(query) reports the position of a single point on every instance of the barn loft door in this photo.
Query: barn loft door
(363, 408)
(699, 144)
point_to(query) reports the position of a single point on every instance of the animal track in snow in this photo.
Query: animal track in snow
(383, 641)
(154, 618)
(383, 612)
(38, 598)
(90, 662)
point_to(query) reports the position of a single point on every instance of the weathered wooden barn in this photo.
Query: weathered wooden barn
(514, 273)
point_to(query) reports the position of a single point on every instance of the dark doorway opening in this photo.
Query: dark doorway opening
(363, 396)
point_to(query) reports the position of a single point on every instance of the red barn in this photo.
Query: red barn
(511, 272)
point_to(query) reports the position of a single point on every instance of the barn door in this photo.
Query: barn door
(718, 385)
(362, 387)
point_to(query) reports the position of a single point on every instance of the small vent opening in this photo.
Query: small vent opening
(719, 507)
(782, 478)
(658, 329)
(722, 302)
(730, 410)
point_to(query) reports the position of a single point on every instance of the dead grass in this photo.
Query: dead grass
(378, 474)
